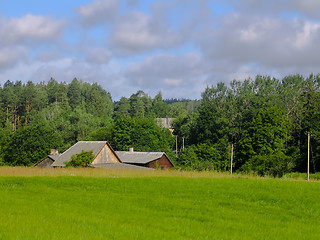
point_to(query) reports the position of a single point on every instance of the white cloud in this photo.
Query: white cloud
(98, 56)
(65, 69)
(177, 46)
(308, 7)
(177, 76)
(264, 41)
(138, 32)
(11, 56)
(306, 34)
(98, 12)
(30, 28)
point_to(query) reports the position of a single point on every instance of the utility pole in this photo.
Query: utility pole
(231, 157)
(308, 156)
(182, 143)
(176, 146)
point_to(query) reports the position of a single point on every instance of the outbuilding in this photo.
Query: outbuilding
(47, 161)
(101, 150)
(158, 160)
(106, 157)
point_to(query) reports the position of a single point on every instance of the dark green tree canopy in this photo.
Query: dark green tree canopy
(265, 120)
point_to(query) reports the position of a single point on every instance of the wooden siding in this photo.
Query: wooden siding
(105, 156)
(161, 163)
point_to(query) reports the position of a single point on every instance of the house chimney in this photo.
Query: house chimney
(54, 152)
(130, 149)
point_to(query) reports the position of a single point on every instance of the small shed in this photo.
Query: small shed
(158, 160)
(101, 150)
(47, 161)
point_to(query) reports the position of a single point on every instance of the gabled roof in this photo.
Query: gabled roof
(140, 157)
(94, 146)
(52, 157)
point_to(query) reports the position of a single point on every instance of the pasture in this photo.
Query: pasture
(101, 204)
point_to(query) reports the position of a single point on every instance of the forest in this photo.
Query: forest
(265, 121)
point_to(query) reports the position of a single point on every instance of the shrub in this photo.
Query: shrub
(82, 159)
(276, 164)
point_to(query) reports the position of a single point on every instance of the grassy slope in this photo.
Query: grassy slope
(158, 208)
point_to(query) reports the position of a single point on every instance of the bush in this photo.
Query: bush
(82, 159)
(276, 164)
(201, 158)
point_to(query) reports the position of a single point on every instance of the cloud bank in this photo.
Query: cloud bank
(177, 47)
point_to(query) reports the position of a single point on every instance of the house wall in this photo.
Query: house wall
(161, 163)
(105, 156)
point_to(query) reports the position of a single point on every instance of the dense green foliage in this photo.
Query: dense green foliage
(82, 159)
(157, 208)
(35, 118)
(265, 119)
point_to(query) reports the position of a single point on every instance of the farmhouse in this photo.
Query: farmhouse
(146, 159)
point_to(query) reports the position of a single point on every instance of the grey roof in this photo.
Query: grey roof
(54, 157)
(119, 166)
(139, 157)
(94, 146)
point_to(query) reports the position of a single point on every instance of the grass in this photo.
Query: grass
(100, 204)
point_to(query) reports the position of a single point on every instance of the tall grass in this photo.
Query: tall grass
(99, 172)
(157, 205)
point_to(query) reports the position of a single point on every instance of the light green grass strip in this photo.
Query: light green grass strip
(158, 208)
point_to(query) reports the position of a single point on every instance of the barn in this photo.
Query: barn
(157, 160)
(106, 157)
(101, 150)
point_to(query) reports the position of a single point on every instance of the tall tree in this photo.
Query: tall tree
(29, 144)
(74, 93)
(122, 108)
(137, 106)
(143, 134)
(263, 146)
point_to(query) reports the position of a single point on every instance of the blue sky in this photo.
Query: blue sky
(177, 47)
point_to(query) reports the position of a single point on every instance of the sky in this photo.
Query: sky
(178, 47)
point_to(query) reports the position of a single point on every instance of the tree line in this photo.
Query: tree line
(265, 120)
(35, 118)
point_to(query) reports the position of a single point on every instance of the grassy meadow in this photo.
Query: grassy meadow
(104, 204)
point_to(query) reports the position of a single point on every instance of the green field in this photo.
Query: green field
(158, 207)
